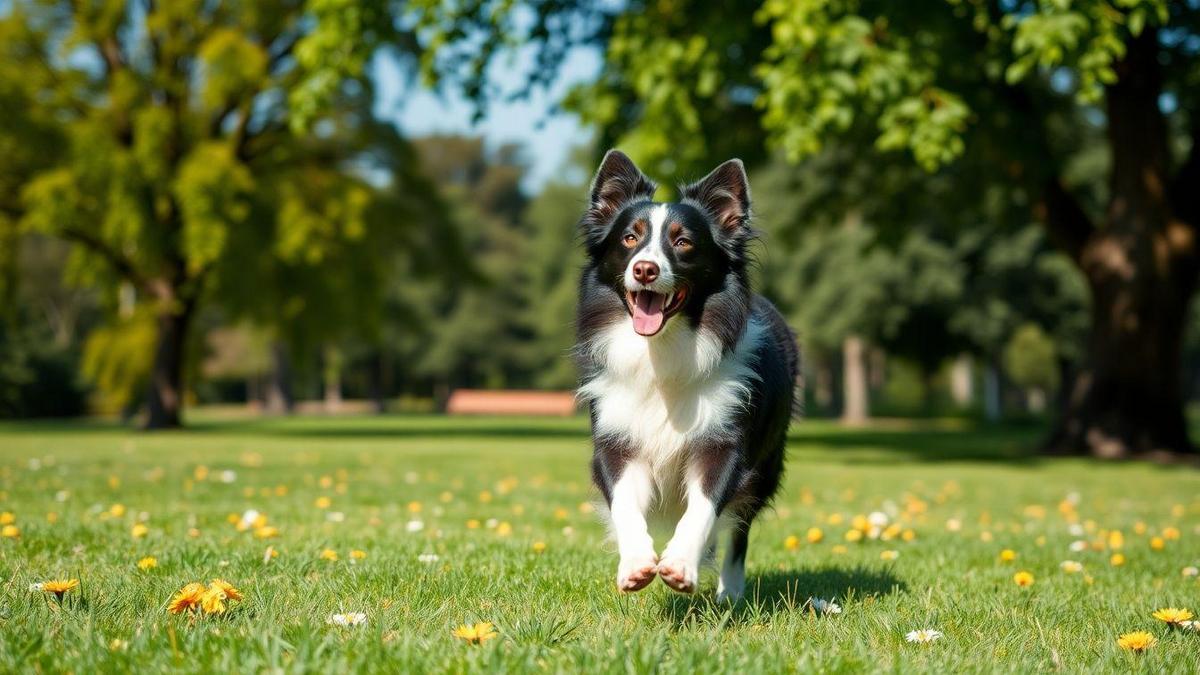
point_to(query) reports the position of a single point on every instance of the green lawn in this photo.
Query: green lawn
(526, 482)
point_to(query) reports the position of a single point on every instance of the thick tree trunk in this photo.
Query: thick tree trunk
(1141, 268)
(1128, 397)
(164, 401)
(856, 409)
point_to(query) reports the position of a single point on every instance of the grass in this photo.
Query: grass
(557, 610)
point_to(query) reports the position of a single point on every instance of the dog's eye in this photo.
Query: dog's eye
(683, 243)
(630, 240)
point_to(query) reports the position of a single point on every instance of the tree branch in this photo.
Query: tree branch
(119, 261)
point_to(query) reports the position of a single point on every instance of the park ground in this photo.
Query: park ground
(437, 522)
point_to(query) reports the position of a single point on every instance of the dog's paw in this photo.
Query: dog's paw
(635, 574)
(679, 574)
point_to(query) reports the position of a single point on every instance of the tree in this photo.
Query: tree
(171, 116)
(985, 83)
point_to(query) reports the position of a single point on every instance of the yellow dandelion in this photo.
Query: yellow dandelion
(838, 549)
(7, 518)
(1023, 579)
(227, 588)
(329, 554)
(539, 546)
(117, 510)
(139, 530)
(1137, 641)
(1172, 616)
(59, 586)
(1170, 533)
(414, 507)
(1157, 543)
(504, 529)
(908, 535)
(473, 524)
(1116, 539)
(853, 535)
(323, 502)
(486, 496)
(814, 535)
(212, 600)
(358, 555)
(1008, 555)
(889, 555)
(187, 598)
(475, 634)
(10, 532)
(266, 532)
(792, 542)
(147, 563)
(1117, 559)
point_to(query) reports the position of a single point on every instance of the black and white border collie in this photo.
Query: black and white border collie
(689, 375)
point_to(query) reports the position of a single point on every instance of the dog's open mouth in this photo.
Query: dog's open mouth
(651, 310)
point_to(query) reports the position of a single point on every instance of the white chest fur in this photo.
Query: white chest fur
(663, 392)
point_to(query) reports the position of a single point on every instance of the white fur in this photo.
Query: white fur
(662, 392)
(653, 252)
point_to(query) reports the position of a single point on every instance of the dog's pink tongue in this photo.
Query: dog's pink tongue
(648, 312)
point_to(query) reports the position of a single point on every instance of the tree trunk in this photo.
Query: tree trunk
(823, 389)
(856, 409)
(164, 401)
(993, 400)
(962, 383)
(333, 380)
(1141, 268)
(1127, 399)
(279, 389)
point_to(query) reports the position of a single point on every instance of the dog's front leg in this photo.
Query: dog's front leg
(708, 485)
(630, 498)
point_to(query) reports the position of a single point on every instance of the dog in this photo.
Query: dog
(689, 376)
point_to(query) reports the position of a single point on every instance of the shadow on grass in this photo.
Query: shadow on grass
(778, 592)
(883, 442)
(1016, 444)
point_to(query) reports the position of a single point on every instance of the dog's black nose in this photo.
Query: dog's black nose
(645, 272)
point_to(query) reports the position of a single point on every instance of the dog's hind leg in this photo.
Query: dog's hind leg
(732, 583)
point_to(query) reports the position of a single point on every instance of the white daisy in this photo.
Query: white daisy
(35, 588)
(923, 636)
(248, 518)
(824, 606)
(414, 526)
(1071, 566)
(427, 558)
(1079, 545)
(347, 619)
(1191, 571)
(1190, 625)
(877, 518)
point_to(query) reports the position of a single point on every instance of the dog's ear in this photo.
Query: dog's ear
(618, 181)
(724, 194)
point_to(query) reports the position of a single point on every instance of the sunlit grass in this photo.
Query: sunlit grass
(467, 521)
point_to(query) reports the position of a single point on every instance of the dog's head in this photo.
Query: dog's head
(665, 258)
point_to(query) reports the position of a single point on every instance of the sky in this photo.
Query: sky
(547, 135)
